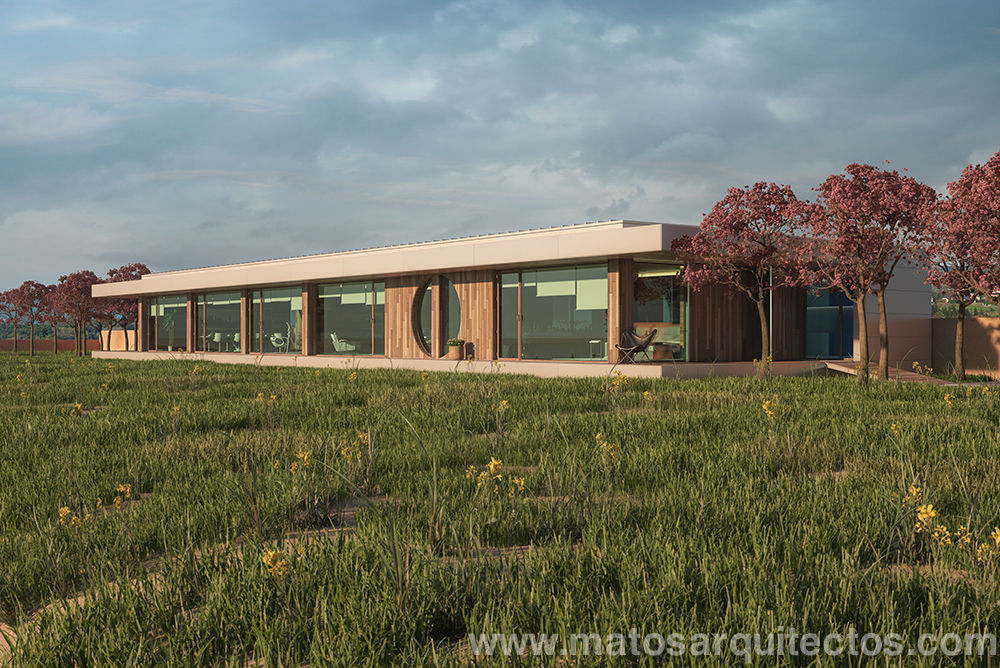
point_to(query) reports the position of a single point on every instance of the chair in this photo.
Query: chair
(632, 344)
(340, 345)
(236, 342)
(217, 340)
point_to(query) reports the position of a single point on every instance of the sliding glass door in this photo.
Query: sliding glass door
(661, 303)
(167, 329)
(217, 322)
(558, 313)
(350, 319)
(276, 321)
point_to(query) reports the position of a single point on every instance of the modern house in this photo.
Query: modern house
(549, 302)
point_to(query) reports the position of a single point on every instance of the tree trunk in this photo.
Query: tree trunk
(76, 339)
(765, 342)
(55, 340)
(883, 337)
(31, 338)
(859, 307)
(125, 330)
(15, 337)
(960, 343)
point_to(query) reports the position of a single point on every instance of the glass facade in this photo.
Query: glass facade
(510, 335)
(661, 303)
(829, 325)
(450, 309)
(167, 329)
(563, 313)
(276, 321)
(217, 322)
(351, 319)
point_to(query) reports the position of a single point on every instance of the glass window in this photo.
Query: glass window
(351, 319)
(829, 325)
(276, 321)
(450, 310)
(661, 303)
(509, 334)
(167, 323)
(564, 313)
(217, 322)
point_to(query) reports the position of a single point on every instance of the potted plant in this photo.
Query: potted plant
(456, 348)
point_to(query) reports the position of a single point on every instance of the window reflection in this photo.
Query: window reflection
(661, 303)
(217, 322)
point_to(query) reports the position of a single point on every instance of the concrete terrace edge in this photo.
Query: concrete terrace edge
(543, 369)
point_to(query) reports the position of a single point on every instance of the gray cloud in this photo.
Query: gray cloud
(185, 134)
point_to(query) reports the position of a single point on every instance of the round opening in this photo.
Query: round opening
(450, 313)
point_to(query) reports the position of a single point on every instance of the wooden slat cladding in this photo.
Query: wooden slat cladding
(476, 295)
(621, 277)
(400, 333)
(724, 325)
(789, 324)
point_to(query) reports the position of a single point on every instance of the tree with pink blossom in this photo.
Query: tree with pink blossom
(962, 249)
(124, 311)
(750, 241)
(73, 298)
(9, 314)
(868, 222)
(53, 315)
(29, 300)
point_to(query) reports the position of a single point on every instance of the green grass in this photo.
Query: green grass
(701, 514)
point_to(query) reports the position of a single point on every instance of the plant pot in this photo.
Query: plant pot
(455, 352)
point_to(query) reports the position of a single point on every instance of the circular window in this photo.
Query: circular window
(450, 314)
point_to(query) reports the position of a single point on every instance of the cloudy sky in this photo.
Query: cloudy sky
(187, 133)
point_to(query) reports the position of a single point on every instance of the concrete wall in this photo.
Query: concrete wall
(118, 340)
(982, 345)
(908, 306)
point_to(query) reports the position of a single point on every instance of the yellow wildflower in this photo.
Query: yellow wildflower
(470, 472)
(949, 399)
(64, 514)
(996, 536)
(942, 535)
(894, 428)
(303, 457)
(126, 489)
(503, 405)
(914, 496)
(925, 515)
(495, 465)
(984, 552)
(353, 377)
(768, 407)
(276, 562)
(963, 537)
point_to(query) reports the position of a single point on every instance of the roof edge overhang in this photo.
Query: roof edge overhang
(532, 247)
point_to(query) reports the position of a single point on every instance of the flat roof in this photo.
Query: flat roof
(587, 241)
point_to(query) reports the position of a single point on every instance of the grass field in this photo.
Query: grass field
(191, 513)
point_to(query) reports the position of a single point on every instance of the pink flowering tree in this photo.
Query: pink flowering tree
(9, 315)
(74, 300)
(29, 302)
(750, 241)
(962, 250)
(868, 222)
(123, 312)
(53, 315)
